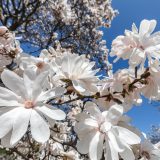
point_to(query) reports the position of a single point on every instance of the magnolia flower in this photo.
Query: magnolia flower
(98, 131)
(22, 104)
(138, 45)
(79, 71)
(51, 53)
(149, 151)
(37, 64)
(115, 89)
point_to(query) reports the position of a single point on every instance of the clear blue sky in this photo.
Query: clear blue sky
(134, 11)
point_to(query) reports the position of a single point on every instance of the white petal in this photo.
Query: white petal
(6, 126)
(93, 147)
(82, 129)
(107, 150)
(127, 136)
(83, 144)
(92, 108)
(38, 84)
(114, 113)
(100, 146)
(28, 82)
(82, 116)
(91, 122)
(115, 142)
(8, 98)
(127, 154)
(20, 124)
(9, 103)
(114, 152)
(55, 114)
(5, 141)
(53, 93)
(77, 85)
(13, 82)
(6, 94)
(134, 28)
(39, 128)
(147, 27)
(6, 121)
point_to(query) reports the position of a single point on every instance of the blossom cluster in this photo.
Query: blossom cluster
(72, 23)
(57, 105)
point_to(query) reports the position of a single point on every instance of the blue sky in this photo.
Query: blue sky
(134, 11)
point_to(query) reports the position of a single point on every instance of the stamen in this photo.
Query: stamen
(28, 104)
(40, 65)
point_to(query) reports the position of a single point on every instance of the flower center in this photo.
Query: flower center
(40, 65)
(141, 47)
(105, 127)
(28, 104)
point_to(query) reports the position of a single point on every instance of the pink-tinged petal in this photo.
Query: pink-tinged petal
(54, 113)
(20, 124)
(13, 82)
(39, 128)
(92, 109)
(127, 136)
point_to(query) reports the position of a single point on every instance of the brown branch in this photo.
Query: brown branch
(19, 153)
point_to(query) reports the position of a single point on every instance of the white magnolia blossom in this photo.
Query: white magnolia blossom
(23, 104)
(116, 89)
(152, 89)
(148, 151)
(51, 53)
(60, 78)
(137, 45)
(98, 131)
(78, 70)
(37, 64)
